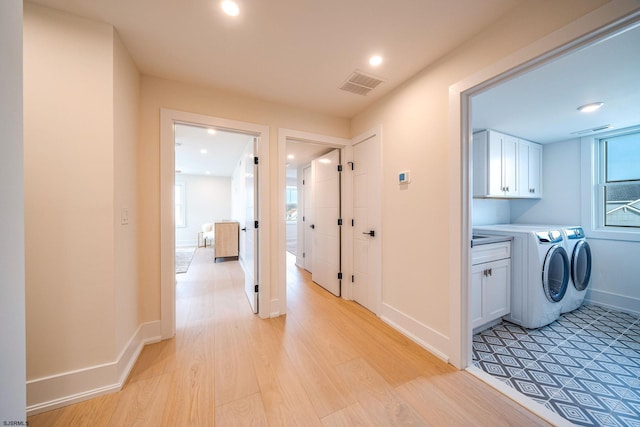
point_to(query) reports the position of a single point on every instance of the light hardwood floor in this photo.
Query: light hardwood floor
(328, 362)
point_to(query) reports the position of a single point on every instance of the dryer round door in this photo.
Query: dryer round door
(555, 273)
(581, 265)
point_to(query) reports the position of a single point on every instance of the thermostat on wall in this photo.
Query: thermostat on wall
(404, 177)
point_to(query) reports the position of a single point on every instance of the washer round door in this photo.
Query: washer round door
(555, 273)
(581, 265)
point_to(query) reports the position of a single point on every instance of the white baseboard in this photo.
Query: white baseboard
(426, 337)
(613, 301)
(55, 391)
(186, 243)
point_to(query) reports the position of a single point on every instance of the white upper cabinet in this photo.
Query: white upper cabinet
(505, 166)
(530, 169)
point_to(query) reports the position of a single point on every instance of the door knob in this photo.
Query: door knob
(312, 226)
(371, 233)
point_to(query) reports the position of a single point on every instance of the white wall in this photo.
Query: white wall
(208, 199)
(12, 276)
(491, 211)
(81, 105)
(69, 191)
(561, 201)
(159, 93)
(126, 94)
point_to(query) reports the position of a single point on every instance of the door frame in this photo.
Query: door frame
(590, 28)
(168, 118)
(279, 301)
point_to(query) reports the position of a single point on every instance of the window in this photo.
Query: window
(292, 203)
(620, 180)
(181, 220)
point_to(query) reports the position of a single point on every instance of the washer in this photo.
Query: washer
(580, 256)
(539, 272)
(579, 253)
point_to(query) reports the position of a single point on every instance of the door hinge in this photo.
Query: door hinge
(339, 221)
(339, 276)
(304, 254)
(255, 160)
(255, 224)
(303, 182)
(353, 222)
(350, 164)
(256, 288)
(339, 168)
(353, 278)
(303, 220)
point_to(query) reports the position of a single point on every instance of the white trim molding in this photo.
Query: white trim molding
(625, 303)
(48, 393)
(426, 337)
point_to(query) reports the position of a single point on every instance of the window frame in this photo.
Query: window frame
(593, 189)
(183, 207)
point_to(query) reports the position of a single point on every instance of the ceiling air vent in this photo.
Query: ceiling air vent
(592, 130)
(360, 83)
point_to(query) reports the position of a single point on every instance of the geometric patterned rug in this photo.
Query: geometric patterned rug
(585, 366)
(183, 259)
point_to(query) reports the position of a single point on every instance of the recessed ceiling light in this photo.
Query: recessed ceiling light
(290, 156)
(203, 151)
(230, 8)
(588, 108)
(208, 172)
(211, 131)
(375, 60)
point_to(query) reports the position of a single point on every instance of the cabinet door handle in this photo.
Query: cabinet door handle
(490, 272)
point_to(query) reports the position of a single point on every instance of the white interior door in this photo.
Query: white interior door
(250, 230)
(325, 228)
(367, 248)
(307, 219)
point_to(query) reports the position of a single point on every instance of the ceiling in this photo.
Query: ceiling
(541, 105)
(296, 52)
(223, 150)
(299, 52)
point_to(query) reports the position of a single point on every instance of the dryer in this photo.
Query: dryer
(580, 263)
(539, 273)
(579, 253)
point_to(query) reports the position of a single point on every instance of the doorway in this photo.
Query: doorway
(461, 98)
(370, 184)
(297, 150)
(169, 119)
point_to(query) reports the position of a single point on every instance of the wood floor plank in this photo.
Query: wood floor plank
(377, 397)
(243, 412)
(95, 412)
(142, 403)
(351, 416)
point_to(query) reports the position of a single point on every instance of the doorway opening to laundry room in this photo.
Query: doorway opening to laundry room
(534, 328)
(211, 205)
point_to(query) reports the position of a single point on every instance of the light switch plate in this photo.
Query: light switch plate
(124, 216)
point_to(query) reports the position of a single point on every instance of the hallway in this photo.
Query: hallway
(327, 362)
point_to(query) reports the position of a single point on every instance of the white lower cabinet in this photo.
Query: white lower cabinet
(490, 293)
